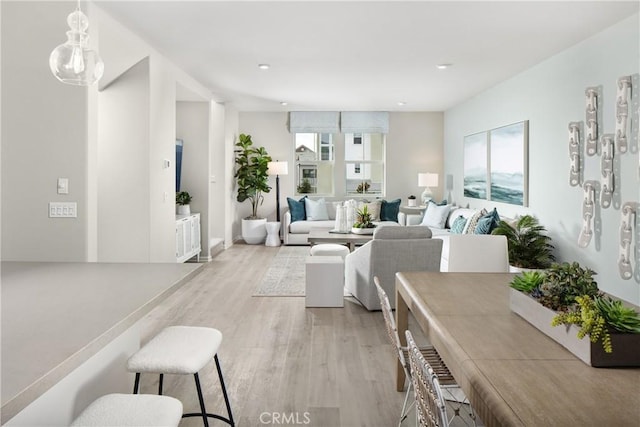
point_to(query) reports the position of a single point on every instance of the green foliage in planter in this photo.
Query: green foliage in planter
(304, 187)
(251, 173)
(590, 320)
(563, 283)
(363, 218)
(528, 244)
(527, 281)
(183, 198)
(618, 317)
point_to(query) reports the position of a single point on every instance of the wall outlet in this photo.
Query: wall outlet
(63, 210)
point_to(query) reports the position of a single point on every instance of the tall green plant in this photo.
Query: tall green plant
(529, 245)
(251, 173)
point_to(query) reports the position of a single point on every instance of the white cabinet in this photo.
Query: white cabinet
(187, 237)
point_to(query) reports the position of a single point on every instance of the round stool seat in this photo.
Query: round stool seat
(329, 249)
(131, 410)
(177, 350)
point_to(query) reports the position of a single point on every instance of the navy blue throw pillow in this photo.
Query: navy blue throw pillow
(487, 223)
(296, 207)
(389, 210)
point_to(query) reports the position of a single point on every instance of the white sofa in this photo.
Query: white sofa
(296, 233)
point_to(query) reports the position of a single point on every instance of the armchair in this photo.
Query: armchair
(391, 250)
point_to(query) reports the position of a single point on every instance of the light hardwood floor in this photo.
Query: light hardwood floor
(283, 364)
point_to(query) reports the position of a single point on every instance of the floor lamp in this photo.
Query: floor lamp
(278, 168)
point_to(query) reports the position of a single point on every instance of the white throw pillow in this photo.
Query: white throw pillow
(436, 216)
(316, 210)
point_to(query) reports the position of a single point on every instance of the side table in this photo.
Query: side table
(273, 234)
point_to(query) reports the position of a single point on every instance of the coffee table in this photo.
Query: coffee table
(322, 235)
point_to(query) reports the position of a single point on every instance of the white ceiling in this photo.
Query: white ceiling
(360, 55)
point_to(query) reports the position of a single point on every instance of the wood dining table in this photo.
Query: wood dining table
(513, 374)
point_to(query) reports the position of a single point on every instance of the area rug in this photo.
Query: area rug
(286, 275)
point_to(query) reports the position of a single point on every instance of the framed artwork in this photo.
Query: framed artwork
(475, 165)
(508, 164)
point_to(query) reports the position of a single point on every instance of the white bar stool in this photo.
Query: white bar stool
(181, 350)
(131, 410)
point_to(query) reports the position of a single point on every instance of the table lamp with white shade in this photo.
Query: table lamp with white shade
(427, 180)
(278, 168)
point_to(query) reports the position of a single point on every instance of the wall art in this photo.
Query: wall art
(508, 164)
(475, 165)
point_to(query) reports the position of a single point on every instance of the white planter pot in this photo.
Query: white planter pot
(183, 210)
(254, 231)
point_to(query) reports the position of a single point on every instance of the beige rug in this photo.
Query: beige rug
(286, 275)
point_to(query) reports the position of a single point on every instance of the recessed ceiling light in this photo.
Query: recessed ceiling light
(443, 66)
(401, 103)
(283, 103)
(264, 66)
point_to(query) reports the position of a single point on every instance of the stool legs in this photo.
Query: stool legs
(203, 411)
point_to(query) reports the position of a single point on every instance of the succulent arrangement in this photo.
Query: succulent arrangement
(571, 290)
(363, 218)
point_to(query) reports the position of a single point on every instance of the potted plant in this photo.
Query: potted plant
(183, 199)
(364, 223)
(304, 187)
(566, 294)
(411, 201)
(252, 179)
(529, 245)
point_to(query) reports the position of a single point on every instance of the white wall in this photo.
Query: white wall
(550, 95)
(219, 178)
(232, 224)
(44, 136)
(123, 172)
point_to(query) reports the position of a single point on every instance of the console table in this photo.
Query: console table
(512, 373)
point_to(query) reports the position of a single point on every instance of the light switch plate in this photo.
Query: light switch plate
(63, 210)
(63, 185)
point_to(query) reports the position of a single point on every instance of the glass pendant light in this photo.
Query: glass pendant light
(74, 62)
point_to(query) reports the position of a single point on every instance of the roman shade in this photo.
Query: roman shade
(365, 122)
(314, 122)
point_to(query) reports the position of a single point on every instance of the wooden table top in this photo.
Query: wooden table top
(513, 374)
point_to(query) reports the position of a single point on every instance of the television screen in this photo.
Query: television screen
(179, 144)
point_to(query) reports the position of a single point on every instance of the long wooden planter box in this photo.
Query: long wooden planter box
(626, 347)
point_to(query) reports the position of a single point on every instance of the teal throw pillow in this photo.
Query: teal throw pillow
(458, 225)
(389, 210)
(487, 223)
(296, 207)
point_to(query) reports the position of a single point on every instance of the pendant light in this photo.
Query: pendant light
(74, 62)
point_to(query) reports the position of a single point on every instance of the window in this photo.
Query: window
(364, 163)
(314, 163)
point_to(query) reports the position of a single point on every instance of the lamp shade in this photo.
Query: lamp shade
(278, 168)
(427, 179)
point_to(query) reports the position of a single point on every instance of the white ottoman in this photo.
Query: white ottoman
(324, 286)
(273, 234)
(329, 249)
(131, 410)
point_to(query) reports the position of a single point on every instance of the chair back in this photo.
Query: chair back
(478, 253)
(430, 403)
(390, 323)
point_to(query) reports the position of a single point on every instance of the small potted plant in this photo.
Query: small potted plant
(364, 223)
(528, 244)
(183, 199)
(411, 201)
(304, 187)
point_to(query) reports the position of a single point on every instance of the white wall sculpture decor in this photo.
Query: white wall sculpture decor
(627, 221)
(588, 213)
(622, 113)
(606, 169)
(592, 120)
(574, 154)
